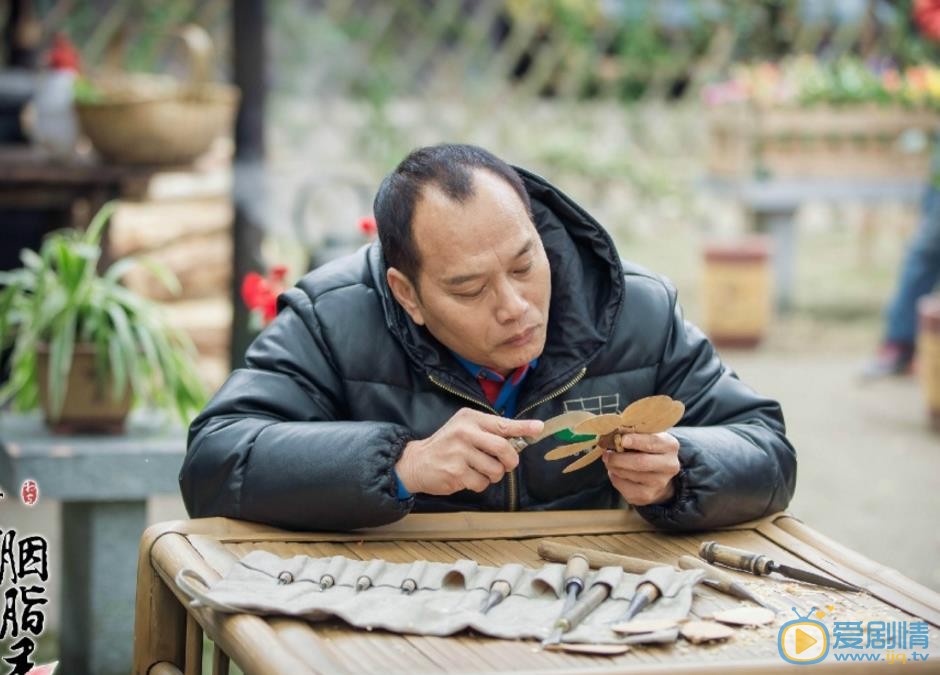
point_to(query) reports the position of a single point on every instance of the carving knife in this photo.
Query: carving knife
(575, 572)
(761, 565)
(552, 426)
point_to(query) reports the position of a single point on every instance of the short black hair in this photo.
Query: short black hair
(449, 167)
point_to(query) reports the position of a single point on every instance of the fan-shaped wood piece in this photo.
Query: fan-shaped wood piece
(583, 648)
(563, 451)
(652, 414)
(599, 424)
(746, 616)
(638, 626)
(705, 631)
(592, 456)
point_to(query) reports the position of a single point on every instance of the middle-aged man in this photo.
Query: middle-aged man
(392, 379)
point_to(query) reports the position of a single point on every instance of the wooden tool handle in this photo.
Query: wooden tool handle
(576, 569)
(716, 578)
(735, 558)
(590, 600)
(555, 552)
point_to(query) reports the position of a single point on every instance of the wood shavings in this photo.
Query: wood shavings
(594, 650)
(746, 616)
(643, 626)
(697, 632)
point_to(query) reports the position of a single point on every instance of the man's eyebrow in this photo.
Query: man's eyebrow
(464, 278)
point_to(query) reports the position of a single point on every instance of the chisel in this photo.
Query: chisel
(646, 594)
(499, 591)
(590, 600)
(575, 572)
(760, 565)
(722, 581)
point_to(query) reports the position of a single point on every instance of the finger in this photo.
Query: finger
(631, 460)
(476, 481)
(495, 446)
(507, 428)
(652, 443)
(488, 466)
(635, 493)
(653, 480)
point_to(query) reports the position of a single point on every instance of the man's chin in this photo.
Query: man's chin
(516, 357)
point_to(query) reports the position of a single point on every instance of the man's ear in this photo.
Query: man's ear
(406, 294)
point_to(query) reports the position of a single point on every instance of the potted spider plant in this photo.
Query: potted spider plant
(84, 347)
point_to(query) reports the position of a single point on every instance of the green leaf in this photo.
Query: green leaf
(61, 351)
(118, 269)
(163, 275)
(117, 367)
(125, 346)
(96, 227)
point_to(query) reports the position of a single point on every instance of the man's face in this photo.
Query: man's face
(485, 283)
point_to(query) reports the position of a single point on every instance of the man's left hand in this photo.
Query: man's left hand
(643, 472)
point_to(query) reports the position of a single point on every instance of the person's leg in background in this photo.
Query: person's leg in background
(919, 274)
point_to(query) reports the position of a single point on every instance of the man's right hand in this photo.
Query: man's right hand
(469, 452)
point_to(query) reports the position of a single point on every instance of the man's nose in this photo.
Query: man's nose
(512, 305)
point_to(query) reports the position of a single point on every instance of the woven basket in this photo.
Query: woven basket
(152, 119)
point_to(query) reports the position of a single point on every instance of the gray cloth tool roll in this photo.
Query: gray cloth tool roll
(447, 599)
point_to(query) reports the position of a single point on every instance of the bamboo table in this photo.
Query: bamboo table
(168, 634)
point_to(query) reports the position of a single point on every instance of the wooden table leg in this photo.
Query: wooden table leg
(160, 619)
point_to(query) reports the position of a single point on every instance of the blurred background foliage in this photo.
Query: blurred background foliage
(604, 97)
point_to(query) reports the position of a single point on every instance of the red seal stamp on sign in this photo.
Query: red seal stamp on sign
(29, 492)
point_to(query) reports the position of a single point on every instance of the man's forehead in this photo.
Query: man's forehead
(492, 200)
(450, 233)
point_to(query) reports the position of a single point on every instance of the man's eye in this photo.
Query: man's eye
(523, 270)
(472, 294)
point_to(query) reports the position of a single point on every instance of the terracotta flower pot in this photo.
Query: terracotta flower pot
(89, 406)
(736, 292)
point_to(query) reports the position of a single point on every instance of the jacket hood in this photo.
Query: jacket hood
(587, 295)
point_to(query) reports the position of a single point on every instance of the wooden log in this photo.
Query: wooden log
(202, 264)
(207, 321)
(145, 226)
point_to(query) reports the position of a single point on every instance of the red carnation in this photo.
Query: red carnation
(927, 16)
(368, 226)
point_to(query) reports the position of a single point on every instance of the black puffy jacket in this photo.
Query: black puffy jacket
(305, 436)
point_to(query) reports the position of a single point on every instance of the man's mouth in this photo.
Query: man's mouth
(522, 338)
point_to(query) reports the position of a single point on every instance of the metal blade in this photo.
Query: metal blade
(589, 458)
(552, 426)
(563, 451)
(554, 638)
(812, 578)
(570, 598)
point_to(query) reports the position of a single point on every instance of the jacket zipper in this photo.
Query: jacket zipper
(511, 477)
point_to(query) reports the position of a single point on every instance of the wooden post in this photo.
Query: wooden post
(249, 66)
(21, 35)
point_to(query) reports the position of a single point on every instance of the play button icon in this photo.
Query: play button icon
(804, 641)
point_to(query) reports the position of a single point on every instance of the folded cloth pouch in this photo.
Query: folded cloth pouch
(447, 597)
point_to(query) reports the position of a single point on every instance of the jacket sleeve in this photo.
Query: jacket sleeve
(269, 446)
(737, 463)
